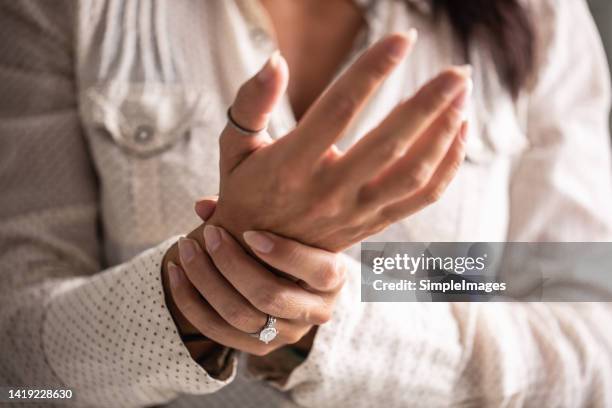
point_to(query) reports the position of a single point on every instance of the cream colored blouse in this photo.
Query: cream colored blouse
(110, 112)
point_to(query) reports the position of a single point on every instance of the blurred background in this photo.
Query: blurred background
(602, 10)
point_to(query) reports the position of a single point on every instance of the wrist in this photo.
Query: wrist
(191, 337)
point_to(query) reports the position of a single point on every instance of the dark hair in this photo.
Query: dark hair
(504, 27)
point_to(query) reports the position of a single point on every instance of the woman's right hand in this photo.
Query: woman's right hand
(302, 187)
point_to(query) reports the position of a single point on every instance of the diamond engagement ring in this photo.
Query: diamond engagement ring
(268, 332)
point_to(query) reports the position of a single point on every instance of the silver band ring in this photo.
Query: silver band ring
(238, 127)
(268, 332)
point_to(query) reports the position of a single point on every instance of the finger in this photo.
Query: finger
(272, 294)
(407, 206)
(391, 139)
(241, 316)
(205, 207)
(416, 168)
(203, 317)
(254, 102)
(431, 193)
(218, 292)
(321, 270)
(332, 113)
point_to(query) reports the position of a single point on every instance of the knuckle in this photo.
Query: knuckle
(340, 270)
(334, 204)
(457, 157)
(327, 276)
(331, 274)
(240, 317)
(343, 106)
(271, 302)
(455, 165)
(419, 176)
(324, 317)
(391, 149)
(449, 122)
(319, 316)
(433, 194)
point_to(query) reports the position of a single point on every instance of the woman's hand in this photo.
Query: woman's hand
(226, 295)
(302, 187)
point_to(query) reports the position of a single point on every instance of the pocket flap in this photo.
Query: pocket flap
(144, 119)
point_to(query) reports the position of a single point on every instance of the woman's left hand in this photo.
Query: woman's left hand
(227, 295)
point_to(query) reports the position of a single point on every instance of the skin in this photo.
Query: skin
(335, 23)
(287, 207)
(236, 297)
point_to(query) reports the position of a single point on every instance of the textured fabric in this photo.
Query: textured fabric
(110, 113)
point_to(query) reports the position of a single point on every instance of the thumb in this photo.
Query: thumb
(205, 207)
(251, 109)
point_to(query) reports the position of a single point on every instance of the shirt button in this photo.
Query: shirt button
(259, 36)
(143, 134)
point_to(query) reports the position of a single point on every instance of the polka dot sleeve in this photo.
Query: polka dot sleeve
(113, 338)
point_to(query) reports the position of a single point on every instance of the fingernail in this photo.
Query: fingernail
(413, 35)
(267, 72)
(455, 81)
(258, 241)
(187, 250)
(173, 275)
(212, 237)
(466, 69)
(204, 208)
(397, 48)
(461, 101)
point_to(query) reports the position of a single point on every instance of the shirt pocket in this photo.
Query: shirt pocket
(143, 120)
(140, 137)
